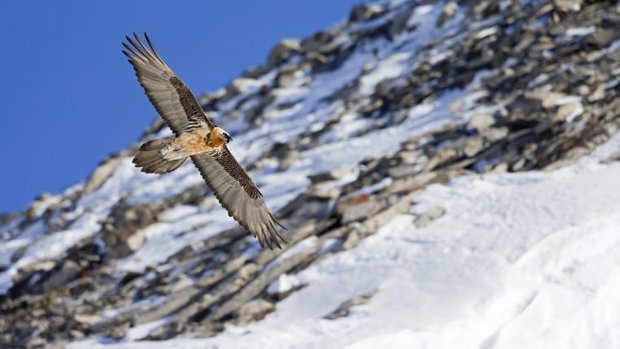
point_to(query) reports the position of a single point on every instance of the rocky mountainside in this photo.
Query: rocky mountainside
(341, 131)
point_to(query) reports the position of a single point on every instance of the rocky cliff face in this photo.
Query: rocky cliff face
(340, 131)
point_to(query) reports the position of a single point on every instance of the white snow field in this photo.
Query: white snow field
(519, 260)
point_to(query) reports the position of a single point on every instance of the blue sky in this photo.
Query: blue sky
(69, 97)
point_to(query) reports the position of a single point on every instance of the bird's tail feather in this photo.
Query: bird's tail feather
(150, 160)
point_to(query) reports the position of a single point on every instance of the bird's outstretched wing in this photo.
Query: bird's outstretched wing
(178, 107)
(237, 193)
(172, 99)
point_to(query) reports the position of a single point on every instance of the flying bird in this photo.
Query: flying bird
(198, 138)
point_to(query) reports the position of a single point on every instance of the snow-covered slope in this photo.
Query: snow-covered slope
(396, 148)
(519, 260)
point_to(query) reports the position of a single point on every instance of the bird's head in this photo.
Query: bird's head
(219, 136)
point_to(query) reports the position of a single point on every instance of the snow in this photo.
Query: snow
(38, 247)
(581, 31)
(486, 32)
(178, 212)
(164, 239)
(566, 100)
(283, 283)
(50, 246)
(298, 248)
(615, 46)
(141, 331)
(371, 188)
(519, 260)
(389, 68)
(349, 152)
(9, 246)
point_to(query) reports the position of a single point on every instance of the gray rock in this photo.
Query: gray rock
(364, 12)
(101, 173)
(568, 5)
(473, 146)
(121, 233)
(548, 99)
(37, 207)
(255, 310)
(353, 238)
(358, 212)
(401, 171)
(615, 157)
(447, 13)
(399, 24)
(495, 133)
(344, 309)
(357, 208)
(283, 50)
(337, 173)
(67, 272)
(481, 122)
(429, 216)
(597, 95)
(602, 38)
(87, 319)
(569, 111)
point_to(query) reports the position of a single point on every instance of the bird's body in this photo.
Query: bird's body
(188, 144)
(199, 139)
(194, 142)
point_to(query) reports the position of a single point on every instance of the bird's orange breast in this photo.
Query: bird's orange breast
(215, 142)
(194, 142)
